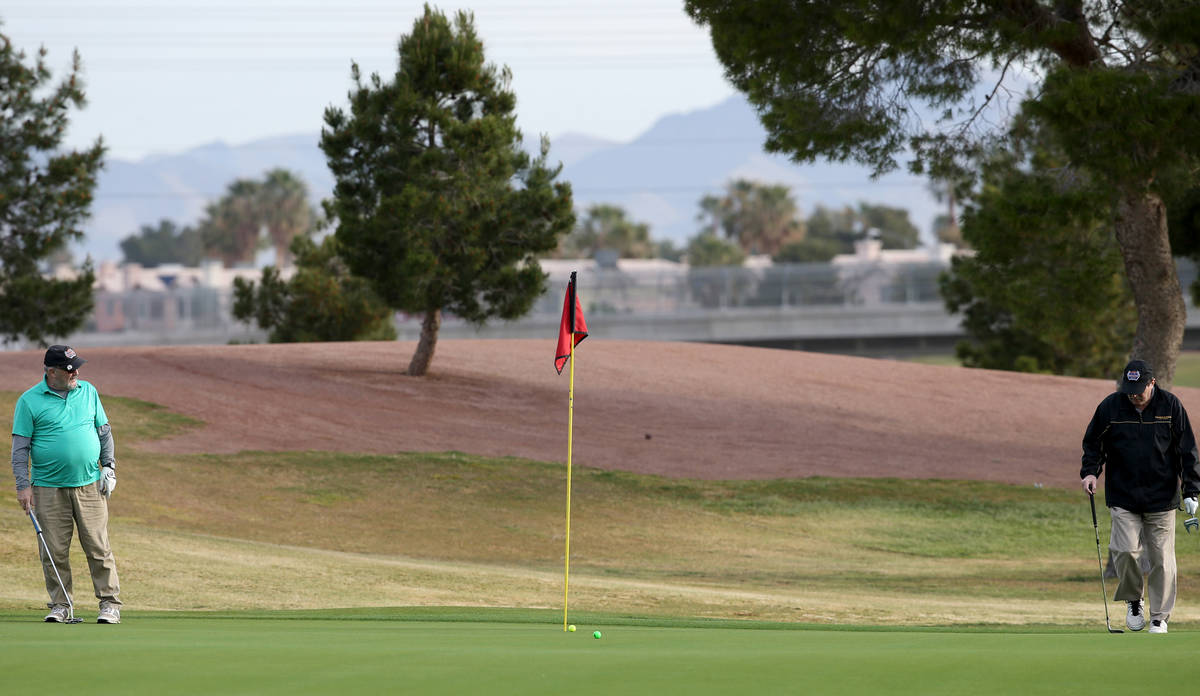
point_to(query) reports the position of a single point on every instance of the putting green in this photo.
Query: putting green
(178, 654)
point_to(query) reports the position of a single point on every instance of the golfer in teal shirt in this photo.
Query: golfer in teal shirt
(64, 468)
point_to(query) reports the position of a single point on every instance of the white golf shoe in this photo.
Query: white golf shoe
(109, 614)
(58, 614)
(1135, 619)
(1158, 626)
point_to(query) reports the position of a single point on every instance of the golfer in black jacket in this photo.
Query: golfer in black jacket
(1142, 436)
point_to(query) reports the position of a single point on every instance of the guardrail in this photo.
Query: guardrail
(772, 304)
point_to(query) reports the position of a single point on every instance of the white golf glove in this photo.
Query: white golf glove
(108, 481)
(1190, 505)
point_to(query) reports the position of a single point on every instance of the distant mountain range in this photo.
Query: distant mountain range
(659, 177)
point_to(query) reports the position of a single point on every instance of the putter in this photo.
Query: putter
(1103, 589)
(71, 619)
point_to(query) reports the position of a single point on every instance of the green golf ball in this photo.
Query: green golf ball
(571, 628)
(596, 635)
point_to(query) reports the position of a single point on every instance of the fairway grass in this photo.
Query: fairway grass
(268, 531)
(399, 654)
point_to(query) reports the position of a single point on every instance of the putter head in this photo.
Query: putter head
(1191, 524)
(74, 620)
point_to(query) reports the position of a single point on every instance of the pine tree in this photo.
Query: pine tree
(45, 196)
(1045, 290)
(435, 202)
(1116, 84)
(322, 301)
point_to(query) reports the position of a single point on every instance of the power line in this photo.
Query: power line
(615, 190)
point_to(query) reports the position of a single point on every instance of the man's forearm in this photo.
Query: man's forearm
(20, 460)
(106, 446)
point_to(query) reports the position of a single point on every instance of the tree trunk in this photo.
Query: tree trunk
(281, 238)
(1141, 228)
(429, 333)
(283, 256)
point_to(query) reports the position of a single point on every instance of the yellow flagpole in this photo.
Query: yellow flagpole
(570, 431)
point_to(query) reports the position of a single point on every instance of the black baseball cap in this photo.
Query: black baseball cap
(63, 357)
(1135, 378)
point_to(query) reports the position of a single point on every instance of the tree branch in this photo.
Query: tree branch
(1079, 50)
(988, 99)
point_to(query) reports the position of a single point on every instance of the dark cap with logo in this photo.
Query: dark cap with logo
(1135, 378)
(63, 357)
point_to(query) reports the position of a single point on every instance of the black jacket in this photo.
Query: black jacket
(1147, 454)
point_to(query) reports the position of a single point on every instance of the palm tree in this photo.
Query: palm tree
(283, 205)
(232, 225)
(760, 218)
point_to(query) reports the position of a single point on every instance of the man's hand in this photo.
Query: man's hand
(1089, 484)
(1190, 505)
(108, 481)
(25, 498)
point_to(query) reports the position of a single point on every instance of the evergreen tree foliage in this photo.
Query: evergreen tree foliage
(833, 231)
(435, 202)
(155, 245)
(892, 225)
(714, 273)
(1183, 205)
(1046, 289)
(45, 196)
(708, 249)
(811, 249)
(666, 249)
(322, 301)
(841, 227)
(1115, 84)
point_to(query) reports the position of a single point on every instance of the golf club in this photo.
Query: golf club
(1103, 589)
(70, 605)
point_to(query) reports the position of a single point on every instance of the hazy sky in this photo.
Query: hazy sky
(166, 75)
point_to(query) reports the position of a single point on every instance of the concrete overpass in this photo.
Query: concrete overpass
(875, 309)
(868, 309)
(913, 328)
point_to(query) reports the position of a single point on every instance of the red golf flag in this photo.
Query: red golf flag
(572, 323)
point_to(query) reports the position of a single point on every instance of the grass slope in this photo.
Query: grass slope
(323, 530)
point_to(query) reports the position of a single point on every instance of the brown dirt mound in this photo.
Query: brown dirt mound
(676, 409)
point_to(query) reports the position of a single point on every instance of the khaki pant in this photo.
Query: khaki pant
(58, 511)
(1157, 531)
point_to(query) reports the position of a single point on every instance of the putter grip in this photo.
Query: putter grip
(1092, 498)
(36, 527)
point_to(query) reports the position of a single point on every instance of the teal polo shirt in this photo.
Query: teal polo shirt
(65, 449)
